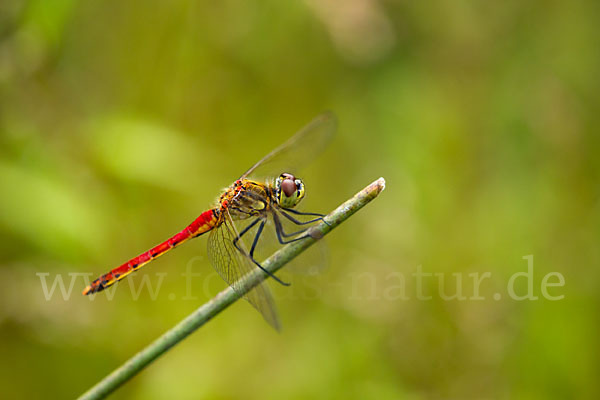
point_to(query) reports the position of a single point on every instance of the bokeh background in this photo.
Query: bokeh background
(121, 121)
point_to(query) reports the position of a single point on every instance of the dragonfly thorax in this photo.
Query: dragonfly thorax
(289, 190)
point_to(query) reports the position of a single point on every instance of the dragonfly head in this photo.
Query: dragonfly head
(289, 190)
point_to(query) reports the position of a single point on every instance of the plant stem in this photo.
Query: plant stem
(228, 296)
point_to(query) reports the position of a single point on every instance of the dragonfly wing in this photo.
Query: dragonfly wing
(232, 265)
(298, 151)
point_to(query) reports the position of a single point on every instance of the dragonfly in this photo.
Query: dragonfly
(268, 191)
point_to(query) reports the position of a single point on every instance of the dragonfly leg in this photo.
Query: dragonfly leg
(321, 217)
(255, 241)
(258, 232)
(294, 220)
(281, 234)
(242, 233)
(304, 213)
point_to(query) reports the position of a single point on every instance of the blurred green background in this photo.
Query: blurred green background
(121, 121)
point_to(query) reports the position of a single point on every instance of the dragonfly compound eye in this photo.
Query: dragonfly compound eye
(289, 190)
(288, 186)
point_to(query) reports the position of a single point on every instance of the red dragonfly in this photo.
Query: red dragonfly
(256, 201)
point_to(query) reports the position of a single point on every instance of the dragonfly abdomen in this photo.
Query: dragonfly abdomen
(204, 223)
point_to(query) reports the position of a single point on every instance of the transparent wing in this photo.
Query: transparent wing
(233, 265)
(298, 151)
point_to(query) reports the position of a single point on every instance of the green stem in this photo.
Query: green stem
(228, 296)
